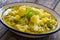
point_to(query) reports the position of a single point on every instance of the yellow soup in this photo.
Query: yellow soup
(30, 19)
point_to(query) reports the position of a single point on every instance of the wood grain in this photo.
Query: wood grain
(48, 3)
(2, 30)
(57, 9)
(12, 1)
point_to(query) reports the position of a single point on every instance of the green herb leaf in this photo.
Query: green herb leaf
(30, 12)
(50, 26)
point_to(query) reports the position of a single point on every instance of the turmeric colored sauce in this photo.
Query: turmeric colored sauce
(30, 19)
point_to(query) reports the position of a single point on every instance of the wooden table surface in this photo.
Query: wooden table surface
(6, 34)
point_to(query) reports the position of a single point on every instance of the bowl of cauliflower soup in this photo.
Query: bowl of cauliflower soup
(30, 19)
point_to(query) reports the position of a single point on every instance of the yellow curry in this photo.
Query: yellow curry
(30, 19)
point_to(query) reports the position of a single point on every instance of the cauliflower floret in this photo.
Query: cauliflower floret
(25, 27)
(18, 27)
(21, 28)
(17, 17)
(41, 22)
(22, 10)
(44, 20)
(37, 28)
(41, 14)
(53, 22)
(47, 14)
(35, 19)
(14, 12)
(44, 14)
(42, 11)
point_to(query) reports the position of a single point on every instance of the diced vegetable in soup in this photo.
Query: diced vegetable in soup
(30, 19)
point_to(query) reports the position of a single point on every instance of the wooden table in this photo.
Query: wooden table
(6, 34)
